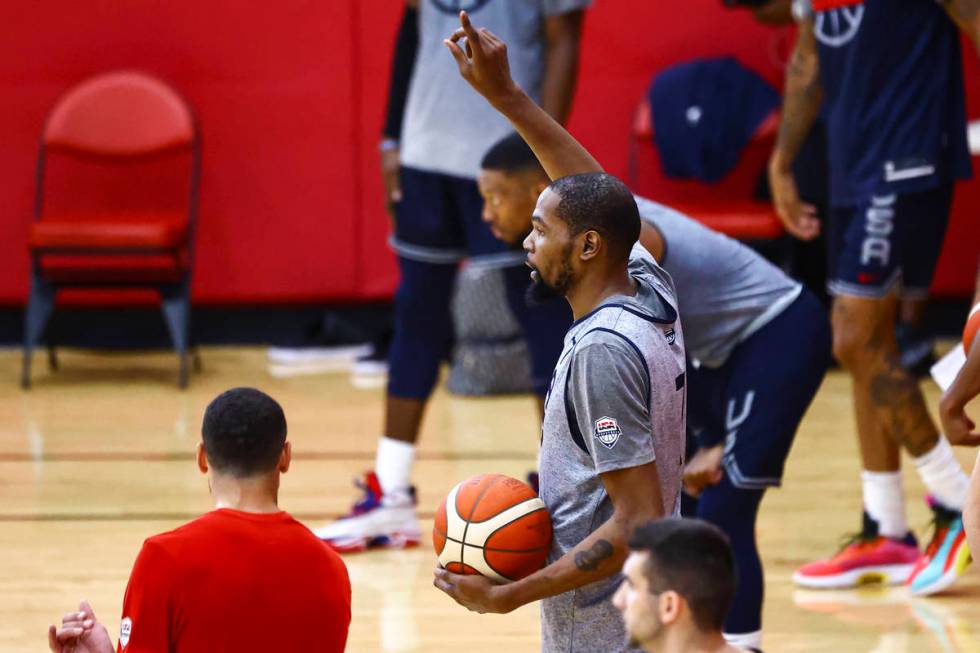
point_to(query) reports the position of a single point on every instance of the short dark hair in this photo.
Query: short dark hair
(509, 155)
(244, 431)
(694, 559)
(599, 202)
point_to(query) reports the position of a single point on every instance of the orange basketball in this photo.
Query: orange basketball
(492, 525)
(970, 330)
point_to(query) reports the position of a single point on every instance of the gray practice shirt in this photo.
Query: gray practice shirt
(617, 400)
(726, 291)
(448, 126)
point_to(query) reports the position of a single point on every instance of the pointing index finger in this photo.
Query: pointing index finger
(464, 20)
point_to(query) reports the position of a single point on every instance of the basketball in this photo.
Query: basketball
(492, 525)
(970, 330)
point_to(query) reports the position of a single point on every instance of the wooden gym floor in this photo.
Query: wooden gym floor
(98, 456)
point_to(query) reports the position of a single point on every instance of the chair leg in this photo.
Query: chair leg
(52, 358)
(196, 355)
(40, 306)
(176, 312)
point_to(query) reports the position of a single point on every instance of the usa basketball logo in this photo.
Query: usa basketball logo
(455, 6)
(837, 21)
(607, 431)
(125, 630)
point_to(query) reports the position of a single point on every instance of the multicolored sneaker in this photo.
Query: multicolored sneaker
(864, 559)
(947, 556)
(376, 521)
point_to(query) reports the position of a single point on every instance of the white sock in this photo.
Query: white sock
(745, 640)
(884, 499)
(393, 465)
(942, 475)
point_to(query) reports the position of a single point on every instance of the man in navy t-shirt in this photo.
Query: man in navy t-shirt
(888, 76)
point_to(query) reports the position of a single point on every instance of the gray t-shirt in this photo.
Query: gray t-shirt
(448, 126)
(617, 400)
(726, 290)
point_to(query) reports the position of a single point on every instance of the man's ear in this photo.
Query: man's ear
(591, 244)
(286, 457)
(671, 605)
(202, 458)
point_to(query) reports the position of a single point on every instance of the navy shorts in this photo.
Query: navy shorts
(755, 401)
(888, 240)
(438, 221)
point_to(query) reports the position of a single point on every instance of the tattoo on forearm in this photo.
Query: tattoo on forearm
(591, 559)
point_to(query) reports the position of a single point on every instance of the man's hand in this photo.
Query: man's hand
(473, 592)
(484, 62)
(391, 178)
(799, 219)
(80, 632)
(957, 425)
(703, 469)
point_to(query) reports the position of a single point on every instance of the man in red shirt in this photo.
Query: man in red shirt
(244, 577)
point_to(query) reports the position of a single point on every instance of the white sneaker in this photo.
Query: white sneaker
(376, 521)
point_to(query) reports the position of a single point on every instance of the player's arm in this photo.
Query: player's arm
(482, 61)
(149, 601)
(562, 35)
(957, 425)
(626, 465)
(801, 106)
(966, 15)
(402, 66)
(636, 499)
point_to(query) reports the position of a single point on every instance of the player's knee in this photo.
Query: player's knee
(423, 296)
(858, 338)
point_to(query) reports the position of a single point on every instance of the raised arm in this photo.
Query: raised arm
(482, 61)
(801, 105)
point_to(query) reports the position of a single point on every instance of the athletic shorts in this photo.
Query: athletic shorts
(888, 241)
(438, 220)
(755, 401)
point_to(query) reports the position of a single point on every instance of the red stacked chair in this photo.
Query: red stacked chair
(116, 202)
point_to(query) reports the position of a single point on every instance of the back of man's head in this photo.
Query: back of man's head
(600, 202)
(244, 432)
(510, 155)
(694, 559)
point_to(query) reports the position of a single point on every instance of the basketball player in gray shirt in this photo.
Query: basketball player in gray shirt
(758, 346)
(613, 437)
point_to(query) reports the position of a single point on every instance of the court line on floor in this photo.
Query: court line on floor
(149, 456)
(157, 516)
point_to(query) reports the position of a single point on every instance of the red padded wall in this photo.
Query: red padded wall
(291, 97)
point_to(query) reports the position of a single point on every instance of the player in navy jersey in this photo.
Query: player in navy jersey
(888, 75)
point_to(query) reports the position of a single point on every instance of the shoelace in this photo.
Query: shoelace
(941, 520)
(860, 539)
(367, 501)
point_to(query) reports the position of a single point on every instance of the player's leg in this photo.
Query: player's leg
(863, 275)
(429, 245)
(923, 219)
(769, 381)
(889, 405)
(734, 511)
